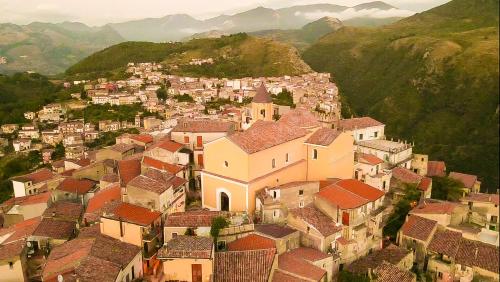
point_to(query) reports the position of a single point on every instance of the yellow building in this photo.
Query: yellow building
(270, 154)
(261, 108)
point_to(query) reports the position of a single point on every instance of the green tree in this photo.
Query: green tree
(284, 98)
(401, 210)
(218, 223)
(161, 93)
(59, 151)
(445, 188)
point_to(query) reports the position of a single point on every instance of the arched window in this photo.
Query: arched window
(315, 154)
(273, 163)
(226, 164)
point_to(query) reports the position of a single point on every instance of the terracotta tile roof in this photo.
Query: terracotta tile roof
(187, 247)
(436, 168)
(106, 208)
(406, 176)
(112, 193)
(153, 180)
(83, 162)
(64, 210)
(134, 214)
(280, 276)
(418, 227)
(361, 189)
(478, 254)
(200, 218)
(203, 126)
(434, 207)
(55, 229)
(467, 179)
(262, 96)
(170, 146)
(274, 230)
(20, 230)
(392, 254)
(96, 269)
(76, 186)
(296, 265)
(425, 184)
(323, 137)
(325, 225)
(36, 177)
(445, 242)
(28, 200)
(341, 198)
(143, 138)
(388, 272)
(251, 242)
(110, 177)
(368, 159)
(128, 170)
(11, 250)
(171, 168)
(482, 197)
(300, 117)
(243, 265)
(309, 254)
(266, 134)
(358, 123)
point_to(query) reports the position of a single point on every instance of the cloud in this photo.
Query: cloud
(353, 13)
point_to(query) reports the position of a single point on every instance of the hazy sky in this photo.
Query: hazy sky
(98, 12)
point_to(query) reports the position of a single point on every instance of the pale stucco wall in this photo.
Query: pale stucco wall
(180, 269)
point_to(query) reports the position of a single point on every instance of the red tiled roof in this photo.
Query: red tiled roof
(300, 117)
(182, 246)
(72, 185)
(135, 214)
(358, 123)
(172, 168)
(418, 227)
(203, 126)
(243, 265)
(28, 200)
(144, 138)
(482, 197)
(405, 175)
(55, 229)
(274, 230)
(36, 177)
(128, 170)
(293, 263)
(170, 146)
(325, 225)
(266, 134)
(478, 254)
(309, 254)
(428, 207)
(425, 184)
(20, 230)
(251, 242)
(64, 210)
(11, 250)
(323, 137)
(436, 168)
(467, 179)
(445, 242)
(342, 198)
(361, 189)
(102, 197)
(262, 96)
(388, 272)
(369, 159)
(200, 218)
(280, 276)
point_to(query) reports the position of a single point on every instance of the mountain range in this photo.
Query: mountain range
(432, 78)
(50, 48)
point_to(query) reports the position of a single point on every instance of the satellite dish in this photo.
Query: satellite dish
(60, 278)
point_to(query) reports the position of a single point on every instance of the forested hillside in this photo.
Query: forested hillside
(432, 78)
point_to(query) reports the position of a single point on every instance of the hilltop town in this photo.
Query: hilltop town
(159, 177)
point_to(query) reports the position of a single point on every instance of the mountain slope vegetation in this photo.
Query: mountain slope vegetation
(237, 55)
(50, 48)
(432, 78)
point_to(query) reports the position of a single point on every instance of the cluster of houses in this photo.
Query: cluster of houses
(298, 195)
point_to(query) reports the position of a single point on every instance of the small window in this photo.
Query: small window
(422, 159)
(275, 194)
(301, 204)
(174, 234)
(383, 185)
(308, 229)
(375, 134)
(221, 245)
(315, 154)
(301, 192)
(275, 213)
(11, 265)
(440, 275)
(361, 137)
(286, 157)
(273, 163)
(226, 164)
